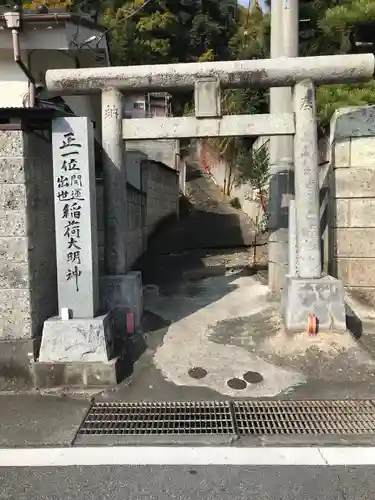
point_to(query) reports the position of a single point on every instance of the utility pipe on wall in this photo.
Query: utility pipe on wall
(13, 22)
(23, 67)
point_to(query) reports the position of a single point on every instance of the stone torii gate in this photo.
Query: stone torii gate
(306, 290)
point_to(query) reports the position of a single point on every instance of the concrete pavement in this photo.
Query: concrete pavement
(36, 420)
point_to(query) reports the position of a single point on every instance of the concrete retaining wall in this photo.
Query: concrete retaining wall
(136, 207)
(211, 163)
(161, 186)
(28, 283)
(28, 293)
(147, 207)
(353, 192)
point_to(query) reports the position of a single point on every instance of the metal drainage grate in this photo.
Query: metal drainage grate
(304, 417)
(159, 418)
(225, 418)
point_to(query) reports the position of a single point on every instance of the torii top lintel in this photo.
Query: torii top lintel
(278, 72)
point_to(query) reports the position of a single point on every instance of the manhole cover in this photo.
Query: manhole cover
(236, 383)
(253, 377)
(197, 372)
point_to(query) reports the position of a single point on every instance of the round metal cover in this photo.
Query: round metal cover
(197, 372)
(253, 377)
(236, 383)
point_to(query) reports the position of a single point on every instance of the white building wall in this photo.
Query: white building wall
(87, 105)
(47, 46)
(14, 84)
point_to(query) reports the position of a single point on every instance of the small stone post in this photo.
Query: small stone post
(307, 181)
(114, 173)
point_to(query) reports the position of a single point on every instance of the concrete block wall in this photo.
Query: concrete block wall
(161, 186)
(353, 200)
(28, 290)
(158, 199)
(136, 223)
(135, 216)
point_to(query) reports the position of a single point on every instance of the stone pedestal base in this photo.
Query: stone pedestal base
(83, 374)
(16, 357)
(78, 340)
(124, 291)
(323, 297)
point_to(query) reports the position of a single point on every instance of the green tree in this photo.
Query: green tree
(35, 4)
(326, 28)
(335, 24)
(161, 31)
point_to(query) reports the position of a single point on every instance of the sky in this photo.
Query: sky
(246, 2)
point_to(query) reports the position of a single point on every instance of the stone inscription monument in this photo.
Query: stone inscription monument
(75, 216)
(77, 334)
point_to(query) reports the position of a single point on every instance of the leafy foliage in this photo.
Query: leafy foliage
(345, 14)
(330, 98)
(35, 4)
(253, 170)
(327, 29)
(168, 31)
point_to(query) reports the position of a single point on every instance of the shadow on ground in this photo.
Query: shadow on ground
(210, 239)
(360, 320)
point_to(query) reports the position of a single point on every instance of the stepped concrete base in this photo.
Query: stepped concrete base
(83, 374)
(16, 357)
(78, 340)
(125, 292)
(323, 297)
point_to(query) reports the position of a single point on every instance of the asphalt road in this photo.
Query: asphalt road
(187, 483)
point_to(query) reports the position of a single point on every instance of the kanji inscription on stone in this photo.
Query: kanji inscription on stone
(75, 215)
